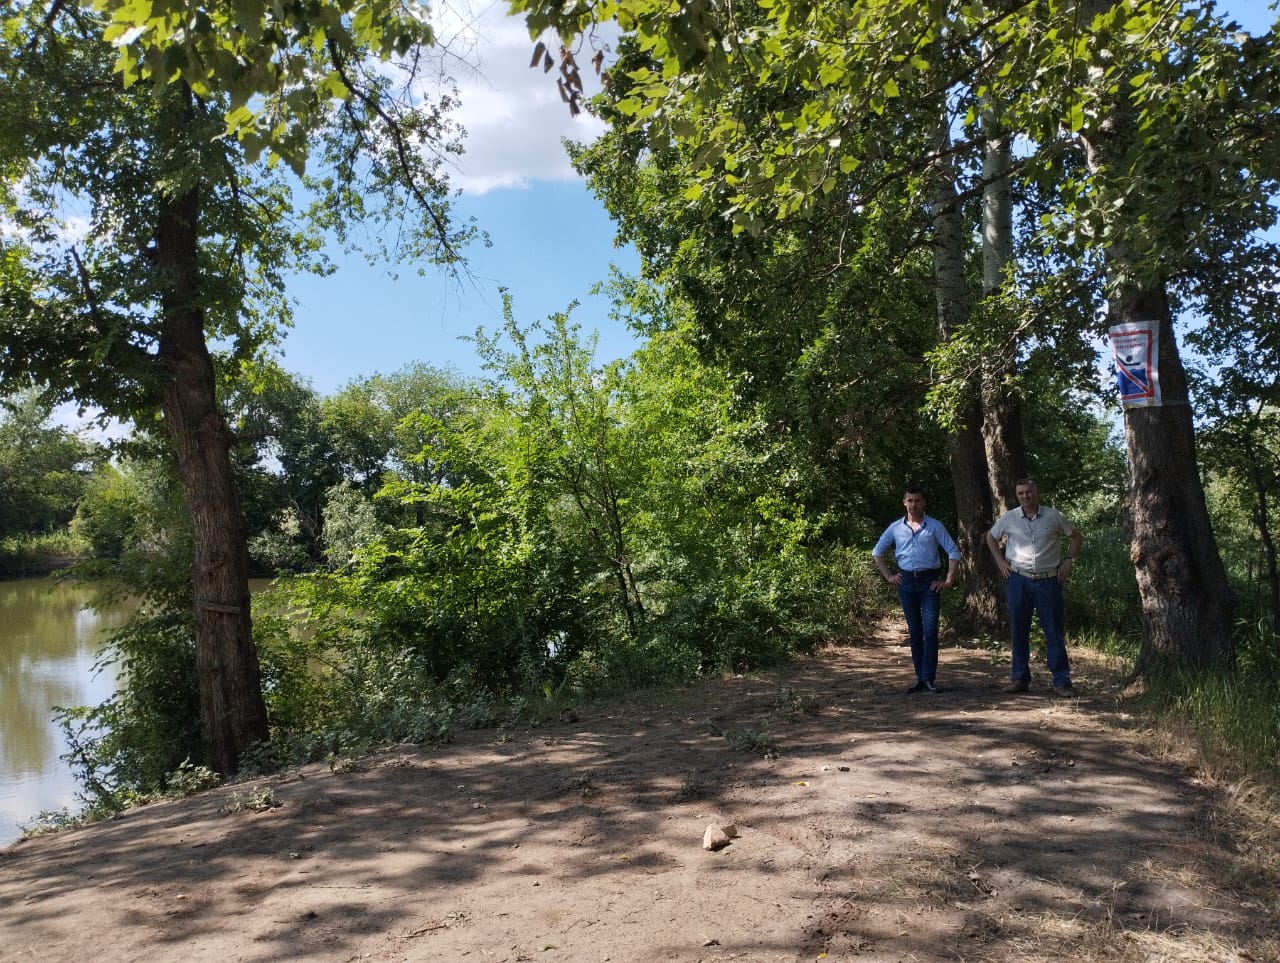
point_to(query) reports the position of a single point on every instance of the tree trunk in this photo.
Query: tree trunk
(1262, 518)
(1001, 406)
(1002, 436)
(980, 611)
(1186, 601)
(233, 714)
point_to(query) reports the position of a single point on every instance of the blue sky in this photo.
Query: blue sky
(551, 239)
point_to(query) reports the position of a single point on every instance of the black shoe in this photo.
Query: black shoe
(1064, 691)
(931, 687)
(918, 687)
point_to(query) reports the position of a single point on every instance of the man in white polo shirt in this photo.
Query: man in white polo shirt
(1034, 570)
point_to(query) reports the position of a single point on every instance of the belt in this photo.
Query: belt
(921, 571)
(1035, 576)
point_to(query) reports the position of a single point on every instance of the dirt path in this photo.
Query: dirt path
(966, 825)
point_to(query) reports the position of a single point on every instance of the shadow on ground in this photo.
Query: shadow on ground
(966, 825)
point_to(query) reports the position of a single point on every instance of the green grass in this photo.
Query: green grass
(1232, 718)
(1102, 596)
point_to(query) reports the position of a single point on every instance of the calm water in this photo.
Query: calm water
(49, 642)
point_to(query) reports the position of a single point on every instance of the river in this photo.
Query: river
(49, 639)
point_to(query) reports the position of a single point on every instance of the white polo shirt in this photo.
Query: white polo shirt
(1033, 545)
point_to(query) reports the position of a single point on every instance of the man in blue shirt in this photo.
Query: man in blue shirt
(917, 539)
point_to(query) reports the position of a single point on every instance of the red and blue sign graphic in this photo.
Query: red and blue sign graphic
(1135, 347)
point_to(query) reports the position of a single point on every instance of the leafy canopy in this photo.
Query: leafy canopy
(282, 64)
(845, 78)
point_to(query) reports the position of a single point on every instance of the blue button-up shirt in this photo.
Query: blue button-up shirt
(917, 549)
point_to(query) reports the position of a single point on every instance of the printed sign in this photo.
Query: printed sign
(1135, 347)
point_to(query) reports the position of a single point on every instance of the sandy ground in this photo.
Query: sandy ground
(963, 826)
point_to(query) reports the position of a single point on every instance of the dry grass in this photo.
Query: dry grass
(1242, 815)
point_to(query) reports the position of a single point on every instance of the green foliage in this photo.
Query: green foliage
(39, 554)
(784, 104)
(821, 323)
(1242, 451)
(350, 522)
(307, 467)
(128, 748)
(790, 703)
(44, 468)
(282, 68)
(137, 234)
(258, 799)
(284, 465)
(331, 689)
(753, 741)
(189, 779)
(1234, 716)
(144, 737)
(383, 423)
(134, 518)
(575, 530)
(52, 821)
(1072, 450)
(88, 166)
(1103, 595)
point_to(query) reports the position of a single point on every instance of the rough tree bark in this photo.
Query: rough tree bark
(1186, 602)
(233, 714)
(1001, 407)
(980, 611)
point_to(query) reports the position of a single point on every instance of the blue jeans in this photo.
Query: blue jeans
(920, 606)
(1044, 597)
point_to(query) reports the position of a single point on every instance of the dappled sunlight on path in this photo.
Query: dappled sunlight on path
(967, 825)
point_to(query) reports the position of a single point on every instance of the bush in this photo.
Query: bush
(129, 747)
(1102, 598)
(24, 555)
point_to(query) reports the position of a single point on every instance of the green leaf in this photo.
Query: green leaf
(1075, 117)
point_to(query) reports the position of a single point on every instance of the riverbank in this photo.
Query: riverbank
(870, 824)
(39, 555)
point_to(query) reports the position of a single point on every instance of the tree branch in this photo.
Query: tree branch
(402, 148)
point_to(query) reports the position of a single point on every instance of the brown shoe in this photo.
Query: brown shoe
(1018, 685)
(1065, 691)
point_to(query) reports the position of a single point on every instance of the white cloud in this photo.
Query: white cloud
(513, 114)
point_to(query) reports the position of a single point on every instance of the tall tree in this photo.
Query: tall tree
(1139, 140)
(980, 607)
(183, 238)
(1164, 97)
(1001, 406)
(807, 319)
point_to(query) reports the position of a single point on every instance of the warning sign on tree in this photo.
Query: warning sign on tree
(1135, 347)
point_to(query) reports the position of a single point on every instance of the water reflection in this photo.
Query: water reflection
(49, 641)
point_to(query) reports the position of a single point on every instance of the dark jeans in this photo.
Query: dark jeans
(1044, 597)
(920, 606)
